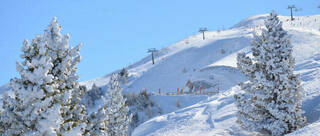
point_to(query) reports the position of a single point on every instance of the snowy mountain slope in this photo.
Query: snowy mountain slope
(195, 120)
(219, 48)
(191, 54)
(169, 103)
(306, 22)
(217, 114)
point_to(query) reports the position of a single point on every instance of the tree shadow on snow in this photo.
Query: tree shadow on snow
(311, 107)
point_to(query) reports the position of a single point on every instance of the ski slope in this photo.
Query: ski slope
(192, 54)
(216, 115)
(213, 61)
(218, 49)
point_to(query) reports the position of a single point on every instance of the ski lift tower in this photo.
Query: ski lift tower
(292, 7)
(152, 51)
(202, 30)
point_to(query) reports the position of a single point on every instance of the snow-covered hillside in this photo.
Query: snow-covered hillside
(218, 49)
(216, 116)
(192, 54)
(213, 61)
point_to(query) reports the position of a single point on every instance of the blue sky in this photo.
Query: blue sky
(118, 33)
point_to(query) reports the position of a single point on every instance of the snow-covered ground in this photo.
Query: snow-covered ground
(216, 115)
(310, 130)
(213, 60)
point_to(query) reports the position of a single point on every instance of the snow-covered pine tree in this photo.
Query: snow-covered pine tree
(91, 96)
(273, 95)
(47, 96)
(33, 110)
(97, 123)
(113, 118)
(123, 76)
(64, 60)
(118, 118)
(142, 108)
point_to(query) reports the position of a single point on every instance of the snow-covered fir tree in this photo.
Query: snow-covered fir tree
(118, 118)
(112, 119)
(273, 95)
(97, 123)
(123, 76)
(47, 95)
(65, 59)
(74, 115)
(33, 110)
(90, 97)
(142, 108)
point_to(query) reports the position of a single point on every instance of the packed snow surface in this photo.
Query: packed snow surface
(216, 115)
